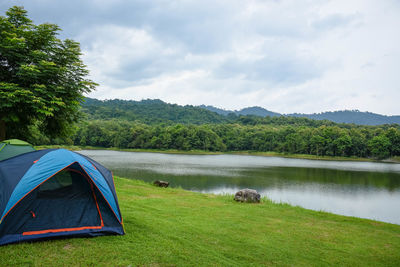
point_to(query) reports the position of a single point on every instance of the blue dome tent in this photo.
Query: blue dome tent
(56, 192)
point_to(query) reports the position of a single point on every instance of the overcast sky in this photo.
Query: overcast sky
(285, 56)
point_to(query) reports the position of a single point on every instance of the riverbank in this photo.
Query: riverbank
(174, 227)
(202, 152)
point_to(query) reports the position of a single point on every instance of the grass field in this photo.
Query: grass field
(174, 227)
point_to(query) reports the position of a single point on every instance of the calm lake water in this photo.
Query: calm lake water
(361, 189)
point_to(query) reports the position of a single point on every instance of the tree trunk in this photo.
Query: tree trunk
(2, 130)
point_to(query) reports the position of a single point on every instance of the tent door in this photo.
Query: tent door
(65, 202)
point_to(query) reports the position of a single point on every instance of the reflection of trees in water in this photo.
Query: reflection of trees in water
(356, 179)
(276, 177)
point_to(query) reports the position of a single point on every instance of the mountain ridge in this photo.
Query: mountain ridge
(156, 110)
(339, 116)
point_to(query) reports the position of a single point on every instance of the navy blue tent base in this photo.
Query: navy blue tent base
(58, 193)
(9, 239)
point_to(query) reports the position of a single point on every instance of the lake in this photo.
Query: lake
(362, 189)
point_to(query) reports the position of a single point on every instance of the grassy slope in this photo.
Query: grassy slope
(174, 227)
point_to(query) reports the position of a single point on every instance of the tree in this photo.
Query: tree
(42, 78)
(394, 137)
(379, 147)
(343, 144)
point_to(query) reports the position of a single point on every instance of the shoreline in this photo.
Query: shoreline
(394, 160)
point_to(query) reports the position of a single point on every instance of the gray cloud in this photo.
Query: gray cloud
(334, 21)
(277, 71)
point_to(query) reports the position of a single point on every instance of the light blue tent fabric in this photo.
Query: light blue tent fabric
(49, 165)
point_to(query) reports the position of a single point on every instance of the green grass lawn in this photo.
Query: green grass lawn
(174, 227)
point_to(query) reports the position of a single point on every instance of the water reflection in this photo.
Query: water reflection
(362, 189)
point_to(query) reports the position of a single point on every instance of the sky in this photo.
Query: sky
(301, 56)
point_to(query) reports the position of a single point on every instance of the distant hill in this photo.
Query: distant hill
(256, 111)
(149, 111)
(153, 111)
(343, 116)
(351, 116)
(217, 110)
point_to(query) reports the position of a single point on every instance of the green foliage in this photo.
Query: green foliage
(153, 124)
(335, 141)
(156, 111)
(149, 112)
(380, 146)
(394, 138)
(173, 227)
(134, 135)
(42, 78)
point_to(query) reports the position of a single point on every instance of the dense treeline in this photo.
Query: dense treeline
(322, 140)
(153, 124)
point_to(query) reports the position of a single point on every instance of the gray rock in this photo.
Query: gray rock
(161, 183)
(247, 195)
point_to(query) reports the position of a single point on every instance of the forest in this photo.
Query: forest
(153, 124)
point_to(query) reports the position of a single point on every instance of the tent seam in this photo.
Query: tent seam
(102, 193)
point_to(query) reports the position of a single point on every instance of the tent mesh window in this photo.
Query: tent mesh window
(62, 179)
